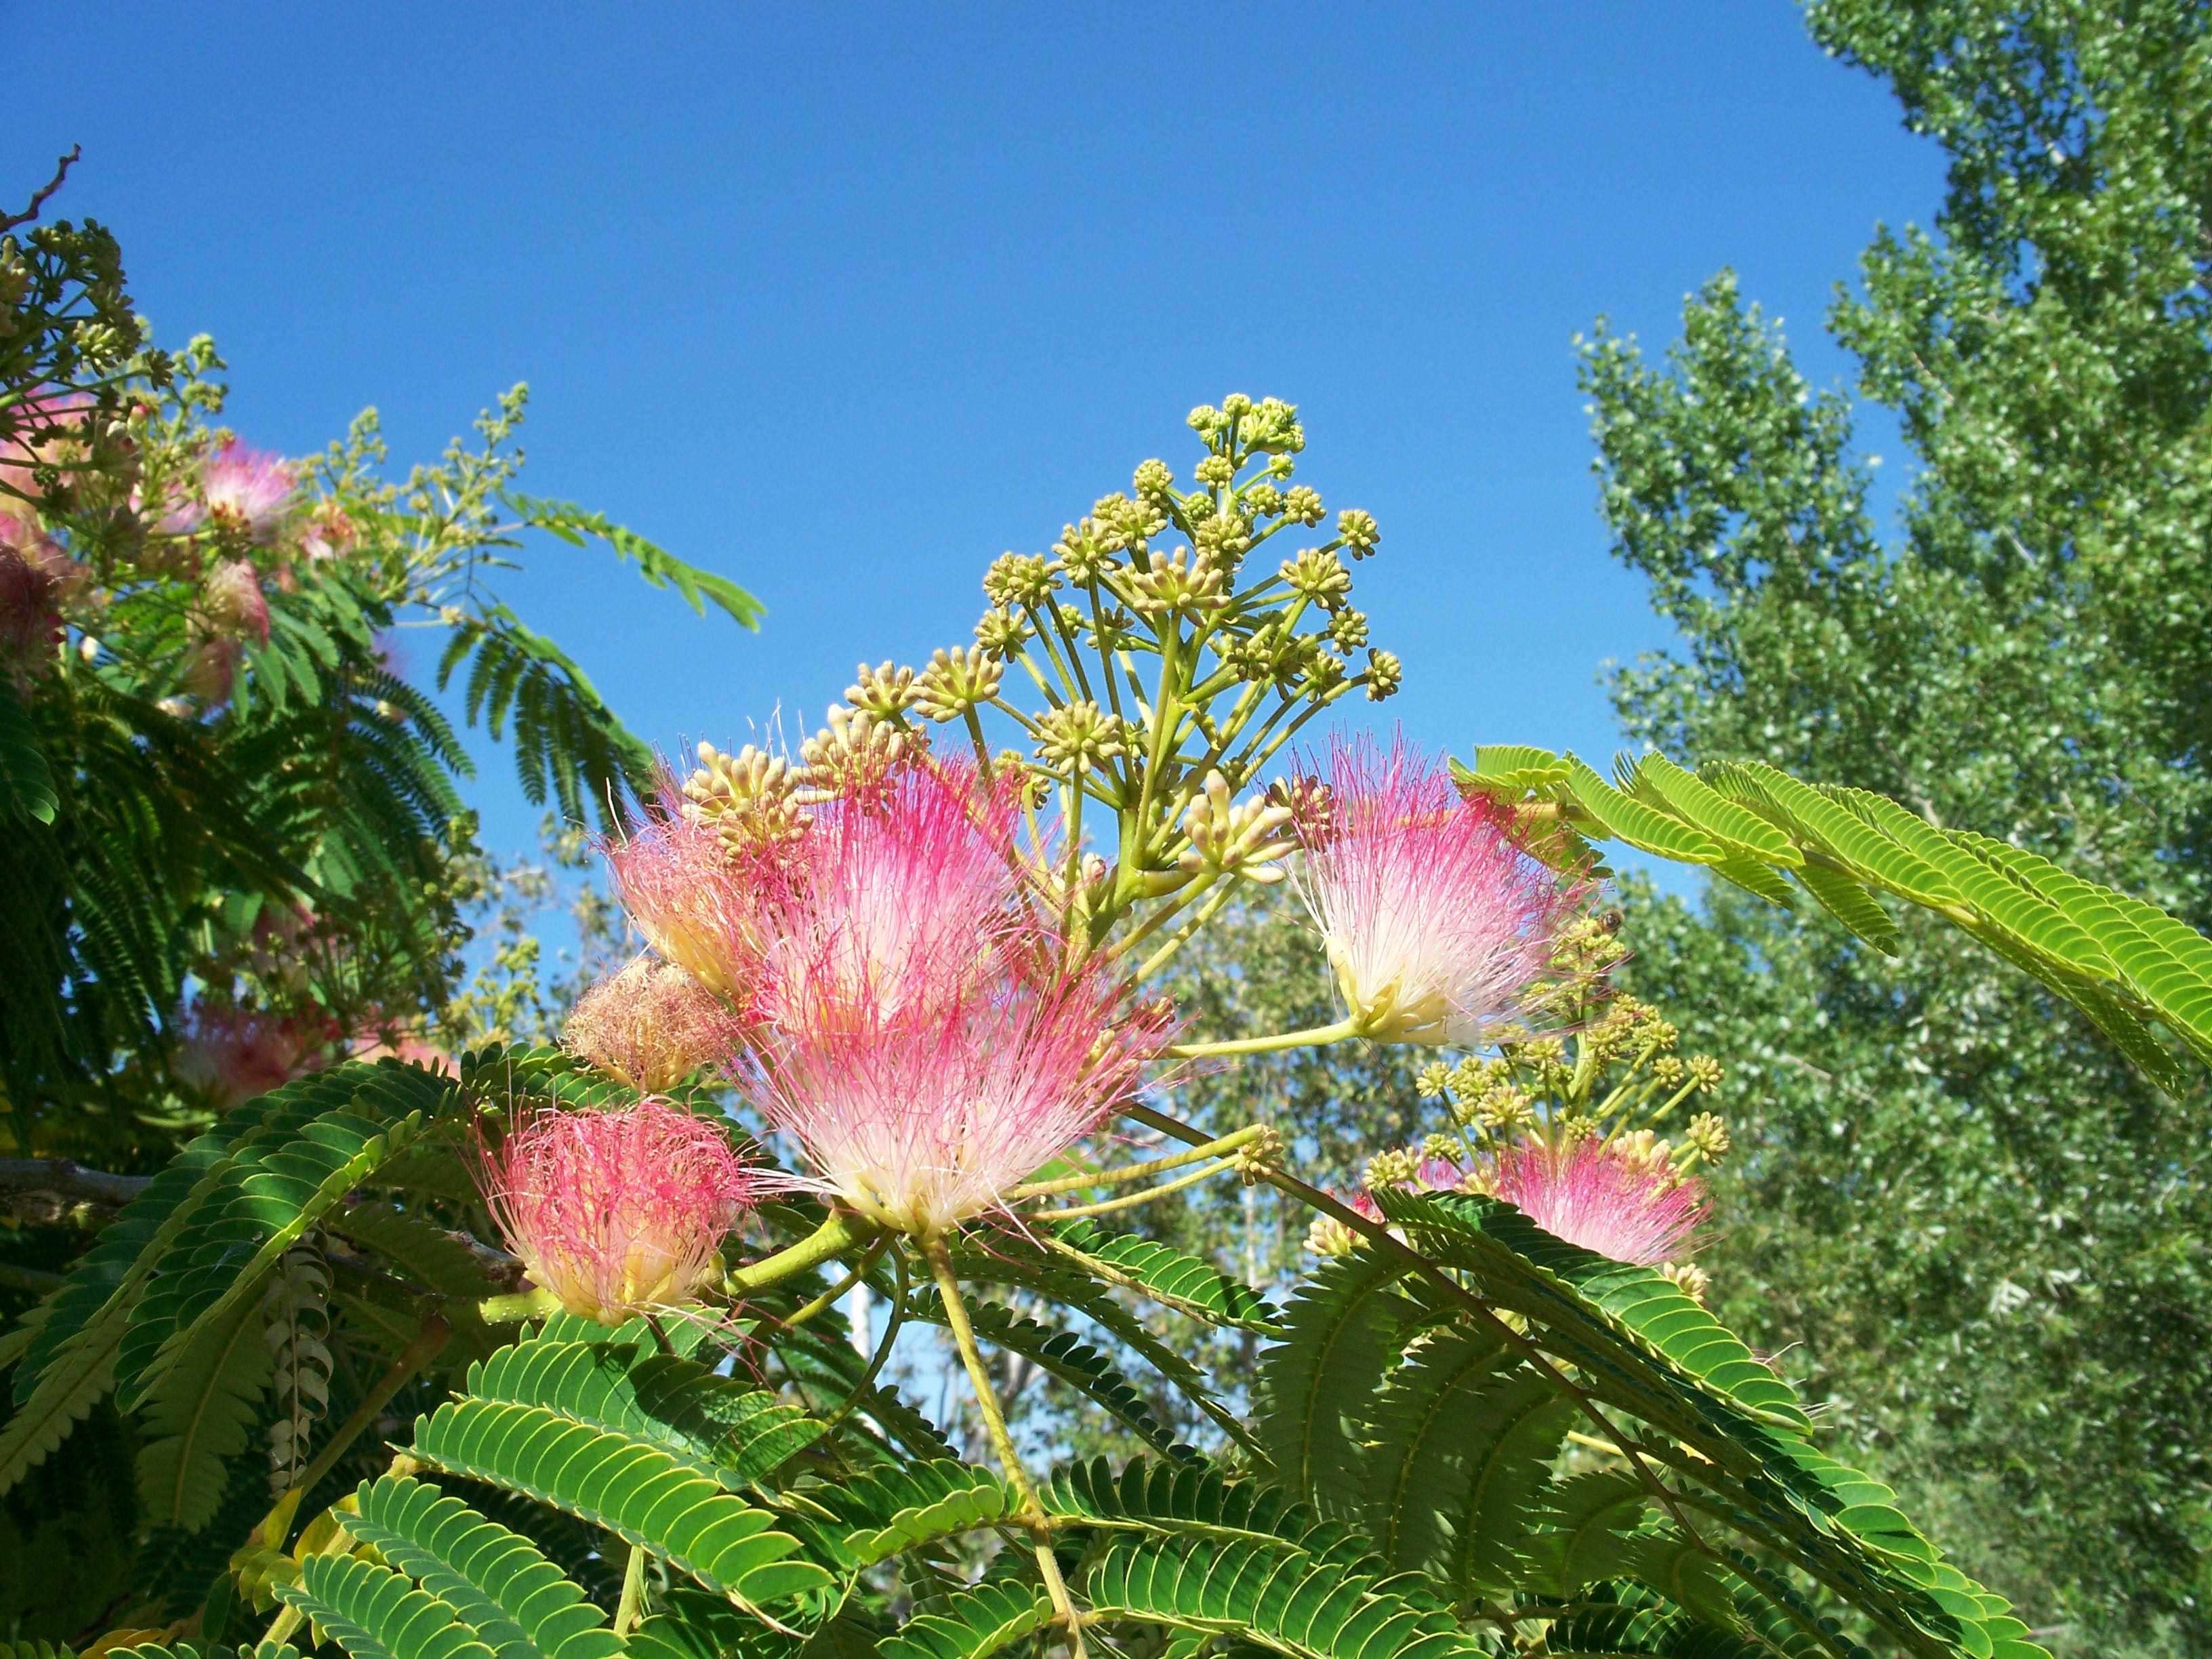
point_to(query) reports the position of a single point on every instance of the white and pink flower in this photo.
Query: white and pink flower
(1441, 929)
(616, 1212)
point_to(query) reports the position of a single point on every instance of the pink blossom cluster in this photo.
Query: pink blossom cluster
(1604, 1196)
(616, 1212)
(1440, 928)
(1608, 1196)
(913, 1016)
(230, 1056)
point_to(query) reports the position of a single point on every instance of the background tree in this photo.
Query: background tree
(1971, 1226)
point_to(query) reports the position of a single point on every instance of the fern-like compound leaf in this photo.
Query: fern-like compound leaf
(496, 1580)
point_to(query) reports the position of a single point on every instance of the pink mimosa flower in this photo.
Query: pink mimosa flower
(922, 1115)
(231, 1057)
(616, 1212)
(1438, 927)
(698, 905)
(235, 606)
(1603, 1197)
(894, 899)
(650, 1025)
(247, 488)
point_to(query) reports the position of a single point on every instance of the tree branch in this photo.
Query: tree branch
(9, 222)
(59, 1176)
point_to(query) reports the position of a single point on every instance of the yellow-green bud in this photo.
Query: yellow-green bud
(1019, 579)
(1358, 531)
(1080, 735)
(883, 691)
(1384, 674)
(956, 681)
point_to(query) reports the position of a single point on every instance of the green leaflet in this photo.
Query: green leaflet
(1064, 1355)
(26, 784)
(111, 1271)
(1007, 1258)
(1579, 1531)
(572, 524)
(518, 1602)
(1758, 880)
(264, 1201)
(718, 1427)
(1346, 1327)
(892, 1510)
(1460, 1444)
(1276, 1596)
(200, 1415)
(646, 1494)
(1510, 769)
(425, 1253)
(970, 1624)
(1641, 826)
(376, 1613)
(1852, 905)
(1639, 1346)
(1195, 1499)
(1169, 1276)
(1692, 799)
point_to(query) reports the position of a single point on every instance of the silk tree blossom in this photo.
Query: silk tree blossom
(230, 1056)
(616, 1212)
(699, 903)
(921, 1111)
(1439, 928)
(1606, 1196)
(247, 490)
(895, 899)
(650, 1025)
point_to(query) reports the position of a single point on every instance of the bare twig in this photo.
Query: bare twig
(69, 1180)
(61, 171)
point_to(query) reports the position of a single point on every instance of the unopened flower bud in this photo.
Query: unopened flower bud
(1081, 735)
(1226, 837)
(956, 681)
(1347, 631)
(881, 692)
(1001, 634)
(854, 754)
(1709, 1135)
(1234, 405)
(1358, 531)
(1263, 501)
(1706, 1072)
(1384, 674)
(1081, 555)
(1215, 470)
(1019, 579)
(1432, 1080)
(1318, 576)
(1152, 481)
(1303, 502)
(1178, 585)
(750, 799)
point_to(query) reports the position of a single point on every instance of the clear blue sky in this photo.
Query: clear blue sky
(844, 301)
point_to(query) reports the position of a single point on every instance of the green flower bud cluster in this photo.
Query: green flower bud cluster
(955, 682)
(751, 799)
(1170, 673)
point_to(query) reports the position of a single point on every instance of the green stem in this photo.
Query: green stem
(883, 1348)
(1318, 1036)
(1140, 1171)
(1184, 934)
(994, 1422)
(840, 1233)
(836, 1290)
(277, 1526)
(1129, 1200)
